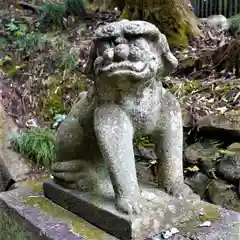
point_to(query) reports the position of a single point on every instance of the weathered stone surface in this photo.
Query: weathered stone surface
(187, 117)
(216, 21)
(145, 152)
(5, 177)
(234, 147)
(239, 188)
(17, 166)
(228, 121)
(222, 193)
(203, 152)
(229, 166)
(145, 172)
(28, 215)
(198, 182)
(160, 212)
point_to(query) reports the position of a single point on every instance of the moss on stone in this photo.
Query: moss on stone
(36, 185)
(173, 19)
(210, 213)
(77, 225)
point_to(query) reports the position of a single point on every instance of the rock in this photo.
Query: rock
(5, 177)
(26, 214)
(167, 211)
(228, 121)
(187, 118)
(239, 188)
(18, 167)
(234, 147)
(204, 152)
(229, 166)
(198, 182)
(145, 172)
(216, 21)
(187, 63)
(145, 152)
(221, 193)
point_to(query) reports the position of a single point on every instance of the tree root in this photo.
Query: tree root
(28, 6)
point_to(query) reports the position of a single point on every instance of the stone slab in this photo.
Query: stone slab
(27, 215)
(160, 211)
(10, 158)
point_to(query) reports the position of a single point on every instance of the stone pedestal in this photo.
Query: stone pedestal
(101, 212)
(160, 211)
(25, 214)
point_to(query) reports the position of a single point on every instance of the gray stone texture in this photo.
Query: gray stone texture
(28, 215)
(160, 211)
(94, 144)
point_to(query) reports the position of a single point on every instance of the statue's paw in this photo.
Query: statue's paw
(68, 166)
(68, 177)
(130, 206)
(68, 172)
(183, 191)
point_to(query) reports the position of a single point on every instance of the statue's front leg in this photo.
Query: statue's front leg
(169, 149)
(114, 132)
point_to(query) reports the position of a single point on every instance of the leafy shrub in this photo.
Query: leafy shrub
(234, 24)
(38, 144)
(52, 14)
(75, 7)
(68, 60)
(29, 43)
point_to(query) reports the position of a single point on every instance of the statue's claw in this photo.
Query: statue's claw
(130, 206)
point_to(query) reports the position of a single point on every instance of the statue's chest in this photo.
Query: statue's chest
(143, 110)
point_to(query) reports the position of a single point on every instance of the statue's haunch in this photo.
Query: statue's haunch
(94, 144)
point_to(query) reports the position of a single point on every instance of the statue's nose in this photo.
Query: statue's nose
(121, 52)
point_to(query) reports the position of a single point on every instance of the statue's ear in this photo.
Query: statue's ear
(169, 61)
(88, 69)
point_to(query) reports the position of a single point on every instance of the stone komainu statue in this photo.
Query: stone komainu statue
(95, 142)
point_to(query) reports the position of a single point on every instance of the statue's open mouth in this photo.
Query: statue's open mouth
(124, 66)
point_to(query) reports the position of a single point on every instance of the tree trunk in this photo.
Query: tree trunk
(174, 18)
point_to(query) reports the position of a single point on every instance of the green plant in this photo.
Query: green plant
(234, 24)
(68, 60)
(3, 42)
(12, 27)
(52, 14)
(75, 7)
(38, 144)
(29, 43)
(143, 141)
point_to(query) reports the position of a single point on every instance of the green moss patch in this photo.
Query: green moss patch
(77, 225)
